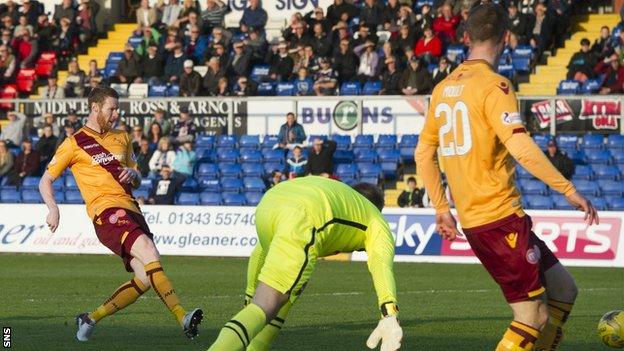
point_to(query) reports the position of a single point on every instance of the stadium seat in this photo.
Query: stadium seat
(313, 137)
(266, 89)
(230, 170)
(273, 166)
(188, 199)
(343, 156)
(617, 156)
(70, 182)
(591, 86)
(173, 90)
(138, 90)
(534, 187)
(606, 172)
(259, 73)
(350, 88)
(269, 141)
(561, 203)
(276, 155)
(110, 70)
(421, 3)
(577, 156)
(209, 184)
(231, 199)
(253, 198)
(190, 185)
(252, 170)
(568, 87)
(146, 183)
(523, 173)
(254, 184)
(249, 142)
(10, 196)
(389, 160)
(540, 202)
(207, 170)
(210, 198)
(226, 141)
(587, 187)
(456, 53)
(567, 141)
(25, 80)
(386, 141)
(346, 171)
(615, 142)
(157, 91)
(285, 89)
(616, 203)
(521, 64)
(366, 155)
(231, 185)
(363, 141)
(135, 41)
(593, 141)
(205, 140)
(369, 170)
(594, 157)
(73, 197)
(228, 155)
(371, 88)
(541, 140)
(343, 142)
(611, 187)
(506, 70)
(59, 196)
(582, 172)
(144, 193)
(250, 156)
(599, 203)
(31, 183)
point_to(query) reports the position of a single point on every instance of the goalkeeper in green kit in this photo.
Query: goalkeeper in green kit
(297, 222)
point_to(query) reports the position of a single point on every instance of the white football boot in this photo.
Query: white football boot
(191, 321)
(85, 327)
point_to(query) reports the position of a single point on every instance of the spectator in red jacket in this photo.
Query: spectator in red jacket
(613, 70)
(26, 49)
(429, 47)
(446, 24)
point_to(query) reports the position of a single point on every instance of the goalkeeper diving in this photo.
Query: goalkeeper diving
(297, 222)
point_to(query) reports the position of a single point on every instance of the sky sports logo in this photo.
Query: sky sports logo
(6, 337)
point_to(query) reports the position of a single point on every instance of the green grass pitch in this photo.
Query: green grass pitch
(443, 306)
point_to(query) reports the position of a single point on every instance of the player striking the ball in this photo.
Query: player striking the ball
(473, 118)
(298, 221)
(103, 164)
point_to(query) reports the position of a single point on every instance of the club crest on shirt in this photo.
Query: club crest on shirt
(504, 87)
(113, 218)
(533, 255)
(510, 118)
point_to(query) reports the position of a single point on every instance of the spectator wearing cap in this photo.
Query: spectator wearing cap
(185, 129)
(319, 41)
(46, 145)
(240, 60)
(429, 47)
(613, 71)
(27, 48)
(145, 15)
(442, 71)
(562, 162)
(320, 158)
(317, 17)
(68, 131)
(129, 68)
(27, 163)
(185, 159)
(175, 64)
(303, 83)
(290, 132)
(582, 63)
(214, 14)
(341, 11)
(52, 90)
(152, 66)
(253, 16)
(369, 59)
(212, 76)
(75, 81)
(195, 45)
(281, 64)
(159, 117)
(8, 63)
(257, 45)
(391, 78)
(13, 132)
(325, 80)
(190, 81)
(244, 87)
(415, 78)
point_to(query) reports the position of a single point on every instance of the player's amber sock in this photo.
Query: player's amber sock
(238, 332)
(551, 335)
(518, 337)
(120, 299)
(263, 340)
(164, 289)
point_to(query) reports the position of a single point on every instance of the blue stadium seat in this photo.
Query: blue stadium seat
(387, 141)
(10, 196)
(226, 141)
(606, 172)
(259, 73)
(343, 156)
(210, 198)
(190, 185)
(421, 3)
(582, 172)
(371, 88)
(616, 203)
(369, 170)
(266, 89)
(73, 197)
(59, 196)
(231, 199)
(70, 182)
(593, 141)
(389, 160)
(365, 141)
(230, 169)
(599, 203)
(621, 168)
(173, 90)
(506, 70)
(159, 90)
(252, 169)
(231, 185)
(540, 202)
(31, 183)
(587, 187)
(615, 142)
(253, 198)
(188, 199)
(254, 184)
(313, 137)
(204, 140)
(561, 203)
(276, 155)
(208, 155)
(110, 70)
(228, 155)
(541, 140)
(249, 142)
(273, 166)
(250, 156)
(350, 88)
(115, 56)
(285, 89)
(269, 141)
(346, 171)
(366, 155)
(456, 53)
(567, 141)
(408, 140)
(618, 156)
(343, 142)
(591, 86)
(207, 170)
(610, 187)
(135, 41)
(146, 183)
(594, 157)
(534, 187)
(523, 173)
(209, 184)
(568, 87)
(578, 156)
(521, 64)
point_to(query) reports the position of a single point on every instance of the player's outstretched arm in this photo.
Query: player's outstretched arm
(531, 157)
(47, 193)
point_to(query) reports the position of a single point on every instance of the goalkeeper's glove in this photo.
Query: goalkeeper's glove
(389, 332)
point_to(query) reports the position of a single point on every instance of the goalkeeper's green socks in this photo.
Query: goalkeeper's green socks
(237, 334)
(263, 341)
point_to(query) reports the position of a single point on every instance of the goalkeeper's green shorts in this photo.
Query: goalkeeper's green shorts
(287, 238)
